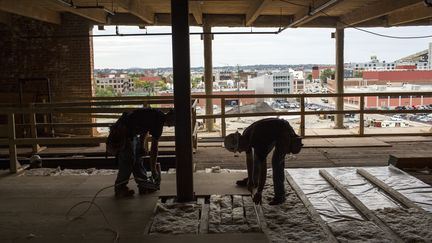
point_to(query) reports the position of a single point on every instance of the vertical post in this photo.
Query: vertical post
(302, 117)
(182, 99)
(223, 124)
(339, 76)
(362, 106)
(14, 164)
(208, 73)
(33, 131)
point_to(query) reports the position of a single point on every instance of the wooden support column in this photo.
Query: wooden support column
(182, 99)
(14, 165)
(208, 73)
(339, 75)
(33, 131)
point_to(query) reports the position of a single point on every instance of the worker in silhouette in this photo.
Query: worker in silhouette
(126, 140)
(257, 141)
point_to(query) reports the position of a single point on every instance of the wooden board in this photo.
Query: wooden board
(390, 191)
(207, 184)
(410, 160)
(359, 205)
(313, 212)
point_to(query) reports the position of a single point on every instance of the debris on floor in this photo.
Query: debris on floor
(67, 172)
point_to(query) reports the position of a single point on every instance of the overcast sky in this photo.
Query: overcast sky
(292, 46)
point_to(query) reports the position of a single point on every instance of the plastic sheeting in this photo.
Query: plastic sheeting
(333, 207)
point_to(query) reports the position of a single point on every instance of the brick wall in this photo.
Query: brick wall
(67, 62)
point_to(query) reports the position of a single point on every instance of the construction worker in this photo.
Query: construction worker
(257, 141)
(126, 140)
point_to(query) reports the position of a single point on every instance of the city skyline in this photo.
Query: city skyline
(291, 47)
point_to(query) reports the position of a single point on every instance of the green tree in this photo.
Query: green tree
(325, 74)
(195, 82)
(358, 74)
(161, 85)
(309, 77)
(105, 92)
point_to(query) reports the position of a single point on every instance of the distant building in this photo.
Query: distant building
(276, 83)
(119, 83)
(150, 79)
(386, 78)
(315, 74)
(228, 101)
(419, 61)
(387, 101)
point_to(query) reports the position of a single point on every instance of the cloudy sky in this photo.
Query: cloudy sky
(292, 46)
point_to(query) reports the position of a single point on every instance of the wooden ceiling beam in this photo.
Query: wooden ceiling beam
(408, 15)
(195, 9)
(137, 8)
(308, 14)
(29, 9)
(383, 7)
(255, 11)
(96, 15)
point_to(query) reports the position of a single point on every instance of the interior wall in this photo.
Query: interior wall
(29, 50)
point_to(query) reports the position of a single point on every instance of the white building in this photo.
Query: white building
(420, 61)
(276, 83)
(119, 83)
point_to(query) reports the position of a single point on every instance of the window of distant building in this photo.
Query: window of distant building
(110, 81)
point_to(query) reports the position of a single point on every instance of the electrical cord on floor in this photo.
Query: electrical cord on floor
(93, 203)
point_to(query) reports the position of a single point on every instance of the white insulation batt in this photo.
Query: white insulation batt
(176, 218)
(290, 221)
(348, 225)
(67, 172)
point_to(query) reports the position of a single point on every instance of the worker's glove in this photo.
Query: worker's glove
(257, 198)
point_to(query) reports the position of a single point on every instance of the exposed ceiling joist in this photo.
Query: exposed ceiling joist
(137, 8)
(255, 11)
(195, 8)
(97, 15)
(308, 14)
(28, 9)
(383, 7)
(417, 12)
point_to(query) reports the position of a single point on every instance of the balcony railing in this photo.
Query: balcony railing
(112, 107)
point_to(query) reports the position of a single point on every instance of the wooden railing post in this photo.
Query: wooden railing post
(362, 104)
(223, 123)
(13, 157)
(302, 117)
(33, 131)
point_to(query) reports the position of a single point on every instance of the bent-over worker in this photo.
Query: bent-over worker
(257, 141)
(126, 140)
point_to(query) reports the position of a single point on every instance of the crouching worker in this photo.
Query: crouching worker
(126, 140)
(257, 141)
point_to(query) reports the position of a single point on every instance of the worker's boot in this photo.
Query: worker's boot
(123, 192)
(243, 182)
(147, 187)
(277, 201)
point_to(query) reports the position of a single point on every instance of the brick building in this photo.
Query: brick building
(30, 50)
